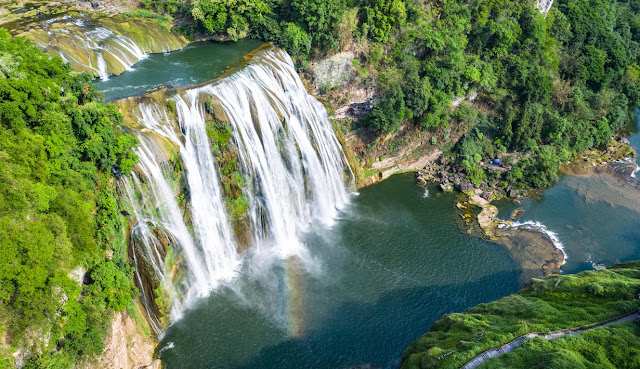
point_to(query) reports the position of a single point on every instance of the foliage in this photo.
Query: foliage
(387, 116)
(613, 347)
(59, 148)
(543, 305)
(319, 18)
(295, 40)
(232, 17)
(226, 154)
(381, 16)
(163, 6)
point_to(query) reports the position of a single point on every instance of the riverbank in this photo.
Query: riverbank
(561, 333)
(536, 249)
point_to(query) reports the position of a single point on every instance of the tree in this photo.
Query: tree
(319, 18)
(388, 114)
(381, 16)
(231, 17)
(295, 40)
(59, 145)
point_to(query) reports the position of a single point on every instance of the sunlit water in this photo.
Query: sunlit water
(393, 263)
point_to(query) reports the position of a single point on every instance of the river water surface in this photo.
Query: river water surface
(393, 263)
(195, 63)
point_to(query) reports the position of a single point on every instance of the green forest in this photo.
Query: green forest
(60, 150)
(549, 86)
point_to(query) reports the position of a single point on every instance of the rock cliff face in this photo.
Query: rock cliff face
(127, 346)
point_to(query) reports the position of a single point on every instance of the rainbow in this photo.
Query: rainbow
(295, 307)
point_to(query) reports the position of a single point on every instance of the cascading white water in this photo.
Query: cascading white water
(122, 49)
(297, 166)
(102, 47)
(296, 172)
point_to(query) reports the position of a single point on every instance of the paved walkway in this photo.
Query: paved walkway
(473, 363)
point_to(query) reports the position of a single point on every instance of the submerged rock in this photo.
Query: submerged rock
(517, 213)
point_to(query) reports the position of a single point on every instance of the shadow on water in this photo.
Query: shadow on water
(393, 263)
(356, 333)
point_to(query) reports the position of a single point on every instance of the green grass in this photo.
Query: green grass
(542, 305)
(611, 347)
(146, 14)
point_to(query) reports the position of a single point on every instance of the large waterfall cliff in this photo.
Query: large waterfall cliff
(242, 164)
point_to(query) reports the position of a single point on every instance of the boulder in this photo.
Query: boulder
(446, 187)
(465, 185)
(516, 213)
(334, 70)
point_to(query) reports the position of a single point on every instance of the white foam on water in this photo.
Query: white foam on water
(539, 227)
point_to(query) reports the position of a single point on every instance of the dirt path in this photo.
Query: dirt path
(473, 363)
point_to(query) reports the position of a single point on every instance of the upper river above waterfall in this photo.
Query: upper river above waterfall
(195, 63)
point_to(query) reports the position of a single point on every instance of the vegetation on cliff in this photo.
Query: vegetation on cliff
(62, 249)
(542, 305)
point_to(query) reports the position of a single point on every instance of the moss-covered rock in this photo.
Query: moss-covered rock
(225, 151)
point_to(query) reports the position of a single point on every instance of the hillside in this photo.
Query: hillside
(543, 305)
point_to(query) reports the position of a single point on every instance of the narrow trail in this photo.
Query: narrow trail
(508, 347)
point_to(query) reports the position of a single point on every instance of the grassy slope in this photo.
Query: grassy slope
(614, 347)
(542, 305)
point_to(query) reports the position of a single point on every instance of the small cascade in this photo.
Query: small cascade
(544, 5)
(249, 162)
(102, 46)
(539, 227)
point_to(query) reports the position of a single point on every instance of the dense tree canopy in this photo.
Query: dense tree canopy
(59, 146)
(548, 87)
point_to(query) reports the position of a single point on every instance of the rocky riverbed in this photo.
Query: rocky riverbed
(536, 249)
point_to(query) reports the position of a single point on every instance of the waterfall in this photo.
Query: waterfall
(100, 42)
(544, 6)
(250, 159)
